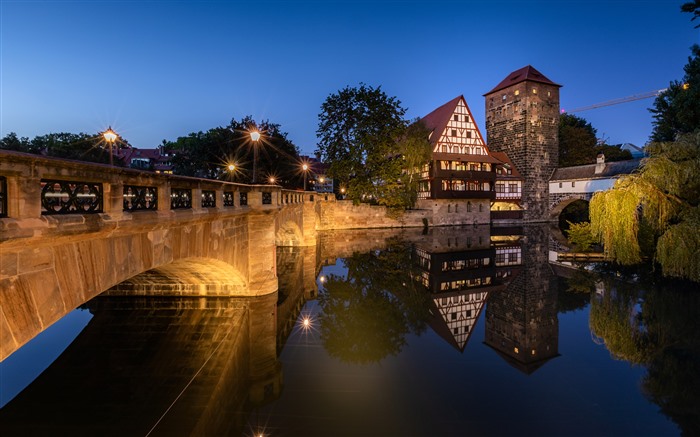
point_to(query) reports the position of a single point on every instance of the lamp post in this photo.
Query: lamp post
(272, 179)
(255, 136)
(305, 167)
(110, 137)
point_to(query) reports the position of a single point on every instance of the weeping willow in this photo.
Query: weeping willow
(664, 197)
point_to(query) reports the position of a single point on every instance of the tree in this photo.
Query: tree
(577, 141)
(655, 213)
(207, 154)
(677, 110)
(12, 142)
(693, 8)
(358, 131)
(81, 146)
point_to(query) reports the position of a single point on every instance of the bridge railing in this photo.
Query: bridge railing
(34, 186)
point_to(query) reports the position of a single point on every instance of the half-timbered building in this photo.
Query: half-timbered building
(460, 181)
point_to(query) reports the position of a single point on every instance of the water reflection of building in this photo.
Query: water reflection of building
(459, 271)
(521, 321)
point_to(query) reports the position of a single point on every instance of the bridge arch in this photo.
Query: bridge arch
(560, 202)
(185, 277)
(289, 234)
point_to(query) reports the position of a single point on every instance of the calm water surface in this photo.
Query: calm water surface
(458, 331)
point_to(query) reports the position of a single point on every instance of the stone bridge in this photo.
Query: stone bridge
(70, 231)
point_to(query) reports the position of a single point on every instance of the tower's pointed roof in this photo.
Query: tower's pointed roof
(528, 73)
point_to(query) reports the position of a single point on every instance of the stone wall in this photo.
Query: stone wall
(525, 125)
(344, 215)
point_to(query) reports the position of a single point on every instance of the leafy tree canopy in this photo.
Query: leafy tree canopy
(578, 144)
(371, 149)
(81, 146)
(676, 111)
(693, 8)
(656, 212)
(208, 154)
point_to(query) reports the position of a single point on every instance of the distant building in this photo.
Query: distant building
(155, 160)
(318, 179)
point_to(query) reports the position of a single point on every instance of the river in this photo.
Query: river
(449, 331)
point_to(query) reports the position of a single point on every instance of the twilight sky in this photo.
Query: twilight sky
(157, 70)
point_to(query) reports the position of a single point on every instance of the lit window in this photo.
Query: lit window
(504, 97)
(534, 91)
(517, 92)
(515, 349)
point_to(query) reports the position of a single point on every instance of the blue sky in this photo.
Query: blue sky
(157, 70)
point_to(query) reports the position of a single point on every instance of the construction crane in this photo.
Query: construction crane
(616, 101)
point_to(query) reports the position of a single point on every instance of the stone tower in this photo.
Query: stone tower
(522, 120)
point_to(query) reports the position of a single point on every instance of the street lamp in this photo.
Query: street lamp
(272, 179)
(110, 137)
(255, 136)
(305, 167)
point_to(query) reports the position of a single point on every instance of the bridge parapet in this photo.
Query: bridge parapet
(71, 230)
(39, 195)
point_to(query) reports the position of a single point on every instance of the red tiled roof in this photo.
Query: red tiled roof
(503, 157)
(526, 73)
(437, 120)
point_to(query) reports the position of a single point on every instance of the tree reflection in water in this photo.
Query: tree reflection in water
(366, 315)
(659, 329)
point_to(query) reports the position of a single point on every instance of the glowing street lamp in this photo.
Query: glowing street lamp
(110, 137)
(255, 136)
(305, 167)
(272, 179)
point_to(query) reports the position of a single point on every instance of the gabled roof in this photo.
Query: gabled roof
(438, 119)
(587, 171)
(528, 73)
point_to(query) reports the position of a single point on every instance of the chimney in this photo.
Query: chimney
(599, 163)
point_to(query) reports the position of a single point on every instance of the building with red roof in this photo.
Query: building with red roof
(461, 181)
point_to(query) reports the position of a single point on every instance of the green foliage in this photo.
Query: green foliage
(578, 144)
(693, 8)
(207, 154)
(81, 146)
(613, 319)
(366, 315)
(580, 234)
(677, 110)
(660, 203)
(370, 148)
(659, 329)
(577, 140)
(613, 152)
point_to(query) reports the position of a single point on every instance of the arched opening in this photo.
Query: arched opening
(289, 234)
(185, 277)
(575, 211)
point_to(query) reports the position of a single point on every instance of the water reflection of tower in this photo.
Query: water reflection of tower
(459, 271)
(521, 321)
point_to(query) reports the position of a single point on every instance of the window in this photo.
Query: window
(481, 209)
(469, 134)
(469, 208)
(466, 118)
(560, 184)
(504, 97)
(444, 148)
(456, 117)
(517, 92)
(454, 132)
(573, 184)
(534, 91)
